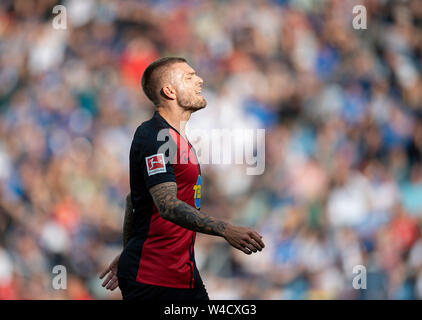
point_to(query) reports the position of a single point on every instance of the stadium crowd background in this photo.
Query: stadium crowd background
(342, 109)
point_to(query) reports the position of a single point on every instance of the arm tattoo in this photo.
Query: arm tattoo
(128, 221)
(182, 214)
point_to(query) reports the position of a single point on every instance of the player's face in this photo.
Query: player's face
(188, 87)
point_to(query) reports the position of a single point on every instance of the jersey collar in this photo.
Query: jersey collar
(164, 122)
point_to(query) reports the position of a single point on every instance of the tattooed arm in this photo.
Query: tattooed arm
(184, 215)
(128, 221)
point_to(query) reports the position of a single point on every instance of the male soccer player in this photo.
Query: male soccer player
(158, 260)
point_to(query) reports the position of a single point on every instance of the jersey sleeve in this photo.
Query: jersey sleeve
(157, 161)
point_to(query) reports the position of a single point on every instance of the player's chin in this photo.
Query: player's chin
(201, 104)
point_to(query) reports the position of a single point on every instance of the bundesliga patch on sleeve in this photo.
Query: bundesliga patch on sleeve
(155, 164)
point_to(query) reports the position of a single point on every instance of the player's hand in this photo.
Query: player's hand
(111, 282)
(244, 239)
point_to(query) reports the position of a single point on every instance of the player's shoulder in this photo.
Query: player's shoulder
(147, 132)
(145, 129)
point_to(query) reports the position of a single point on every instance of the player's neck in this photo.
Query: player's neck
(177, 118)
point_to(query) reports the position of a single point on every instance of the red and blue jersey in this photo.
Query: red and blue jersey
(160, 252)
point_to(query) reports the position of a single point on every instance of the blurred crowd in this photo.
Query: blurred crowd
(342, 110)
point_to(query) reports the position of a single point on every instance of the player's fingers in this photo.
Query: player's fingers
(257, 238)
(241, 248)
(115, 285)
(104, 273)
(255, 244)
(249, 246)
(111, 283)
(110, 275)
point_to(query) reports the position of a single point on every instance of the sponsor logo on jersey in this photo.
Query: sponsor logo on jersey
(197, 194)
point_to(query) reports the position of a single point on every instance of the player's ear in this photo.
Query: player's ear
(169, 92)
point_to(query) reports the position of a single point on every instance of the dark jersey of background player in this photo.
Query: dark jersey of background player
(161, 253)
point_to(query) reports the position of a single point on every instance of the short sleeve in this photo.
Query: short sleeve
(156, 160)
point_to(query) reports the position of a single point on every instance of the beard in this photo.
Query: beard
(192, 103)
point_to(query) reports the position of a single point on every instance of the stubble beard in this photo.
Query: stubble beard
(192, 104)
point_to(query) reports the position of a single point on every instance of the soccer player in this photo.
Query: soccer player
(158, 260)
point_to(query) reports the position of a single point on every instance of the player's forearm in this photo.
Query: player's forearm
(128, 221)
(188, 217)
(182, 214)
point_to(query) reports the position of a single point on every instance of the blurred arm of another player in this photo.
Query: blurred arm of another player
(184, 215)
(111, 282)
